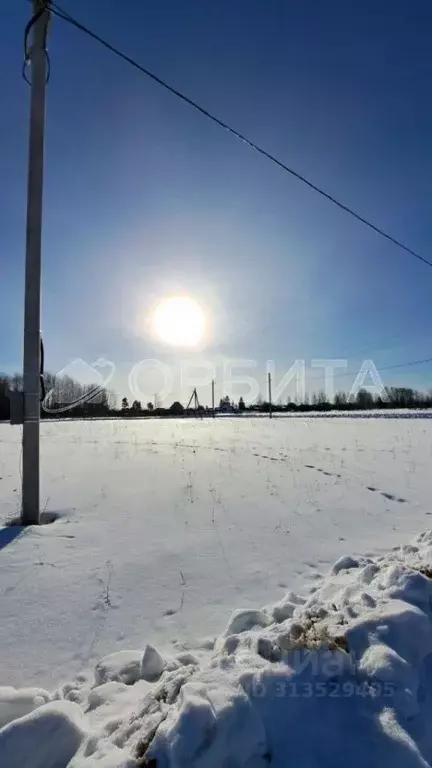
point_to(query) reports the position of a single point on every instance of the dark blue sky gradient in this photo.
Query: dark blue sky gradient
(145, 197)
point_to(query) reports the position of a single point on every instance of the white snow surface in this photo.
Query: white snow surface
(347, 679)
(156, 607)
(166, 526)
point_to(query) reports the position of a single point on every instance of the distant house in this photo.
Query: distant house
(225, 405)
(176, 409)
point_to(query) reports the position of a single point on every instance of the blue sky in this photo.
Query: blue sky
(146, 198)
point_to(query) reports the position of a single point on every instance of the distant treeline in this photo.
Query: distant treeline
(68, 398)
(392, 397)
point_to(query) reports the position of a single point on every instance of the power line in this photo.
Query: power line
(380, 370)
(405, 365)
(70, 20)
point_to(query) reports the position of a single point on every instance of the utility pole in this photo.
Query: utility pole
(194, 397)
(270, 396)
(213, 402)
(31, 378)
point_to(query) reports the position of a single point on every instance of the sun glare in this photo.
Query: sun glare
(179, 321)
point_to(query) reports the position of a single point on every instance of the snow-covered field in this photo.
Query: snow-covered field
(166, 527)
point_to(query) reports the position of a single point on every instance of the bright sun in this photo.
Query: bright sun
(179, 320)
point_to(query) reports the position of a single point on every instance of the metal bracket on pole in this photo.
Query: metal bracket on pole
(16, 404)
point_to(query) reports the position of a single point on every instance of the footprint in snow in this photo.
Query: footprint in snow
(394, 498)
(389, 496)
(323, 471)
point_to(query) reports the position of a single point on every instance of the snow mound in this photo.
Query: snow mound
(15, 704)
(344, 564)
(152, 664)
(123, 667)
(130, 666)
(49, 737)
(344, 677)
(340, 677)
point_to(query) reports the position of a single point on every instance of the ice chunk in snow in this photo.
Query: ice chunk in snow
(397, 624)
(46, 738)
(130, 666)
(392, 576)
(17, 703)
(367, 600)
(368, 573)
(243, 620)
(291, 597)
(344, 564)
(123, 667)
(187, 658)
(382, 663)
(152, 664)
(268, 649)
(283, 610)
(228, 644)
(105, 693)
(414, 588)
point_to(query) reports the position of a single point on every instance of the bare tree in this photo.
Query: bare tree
(322, 398)
(340, 399)
(364, 399)
(16, 382)
(112, 399)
